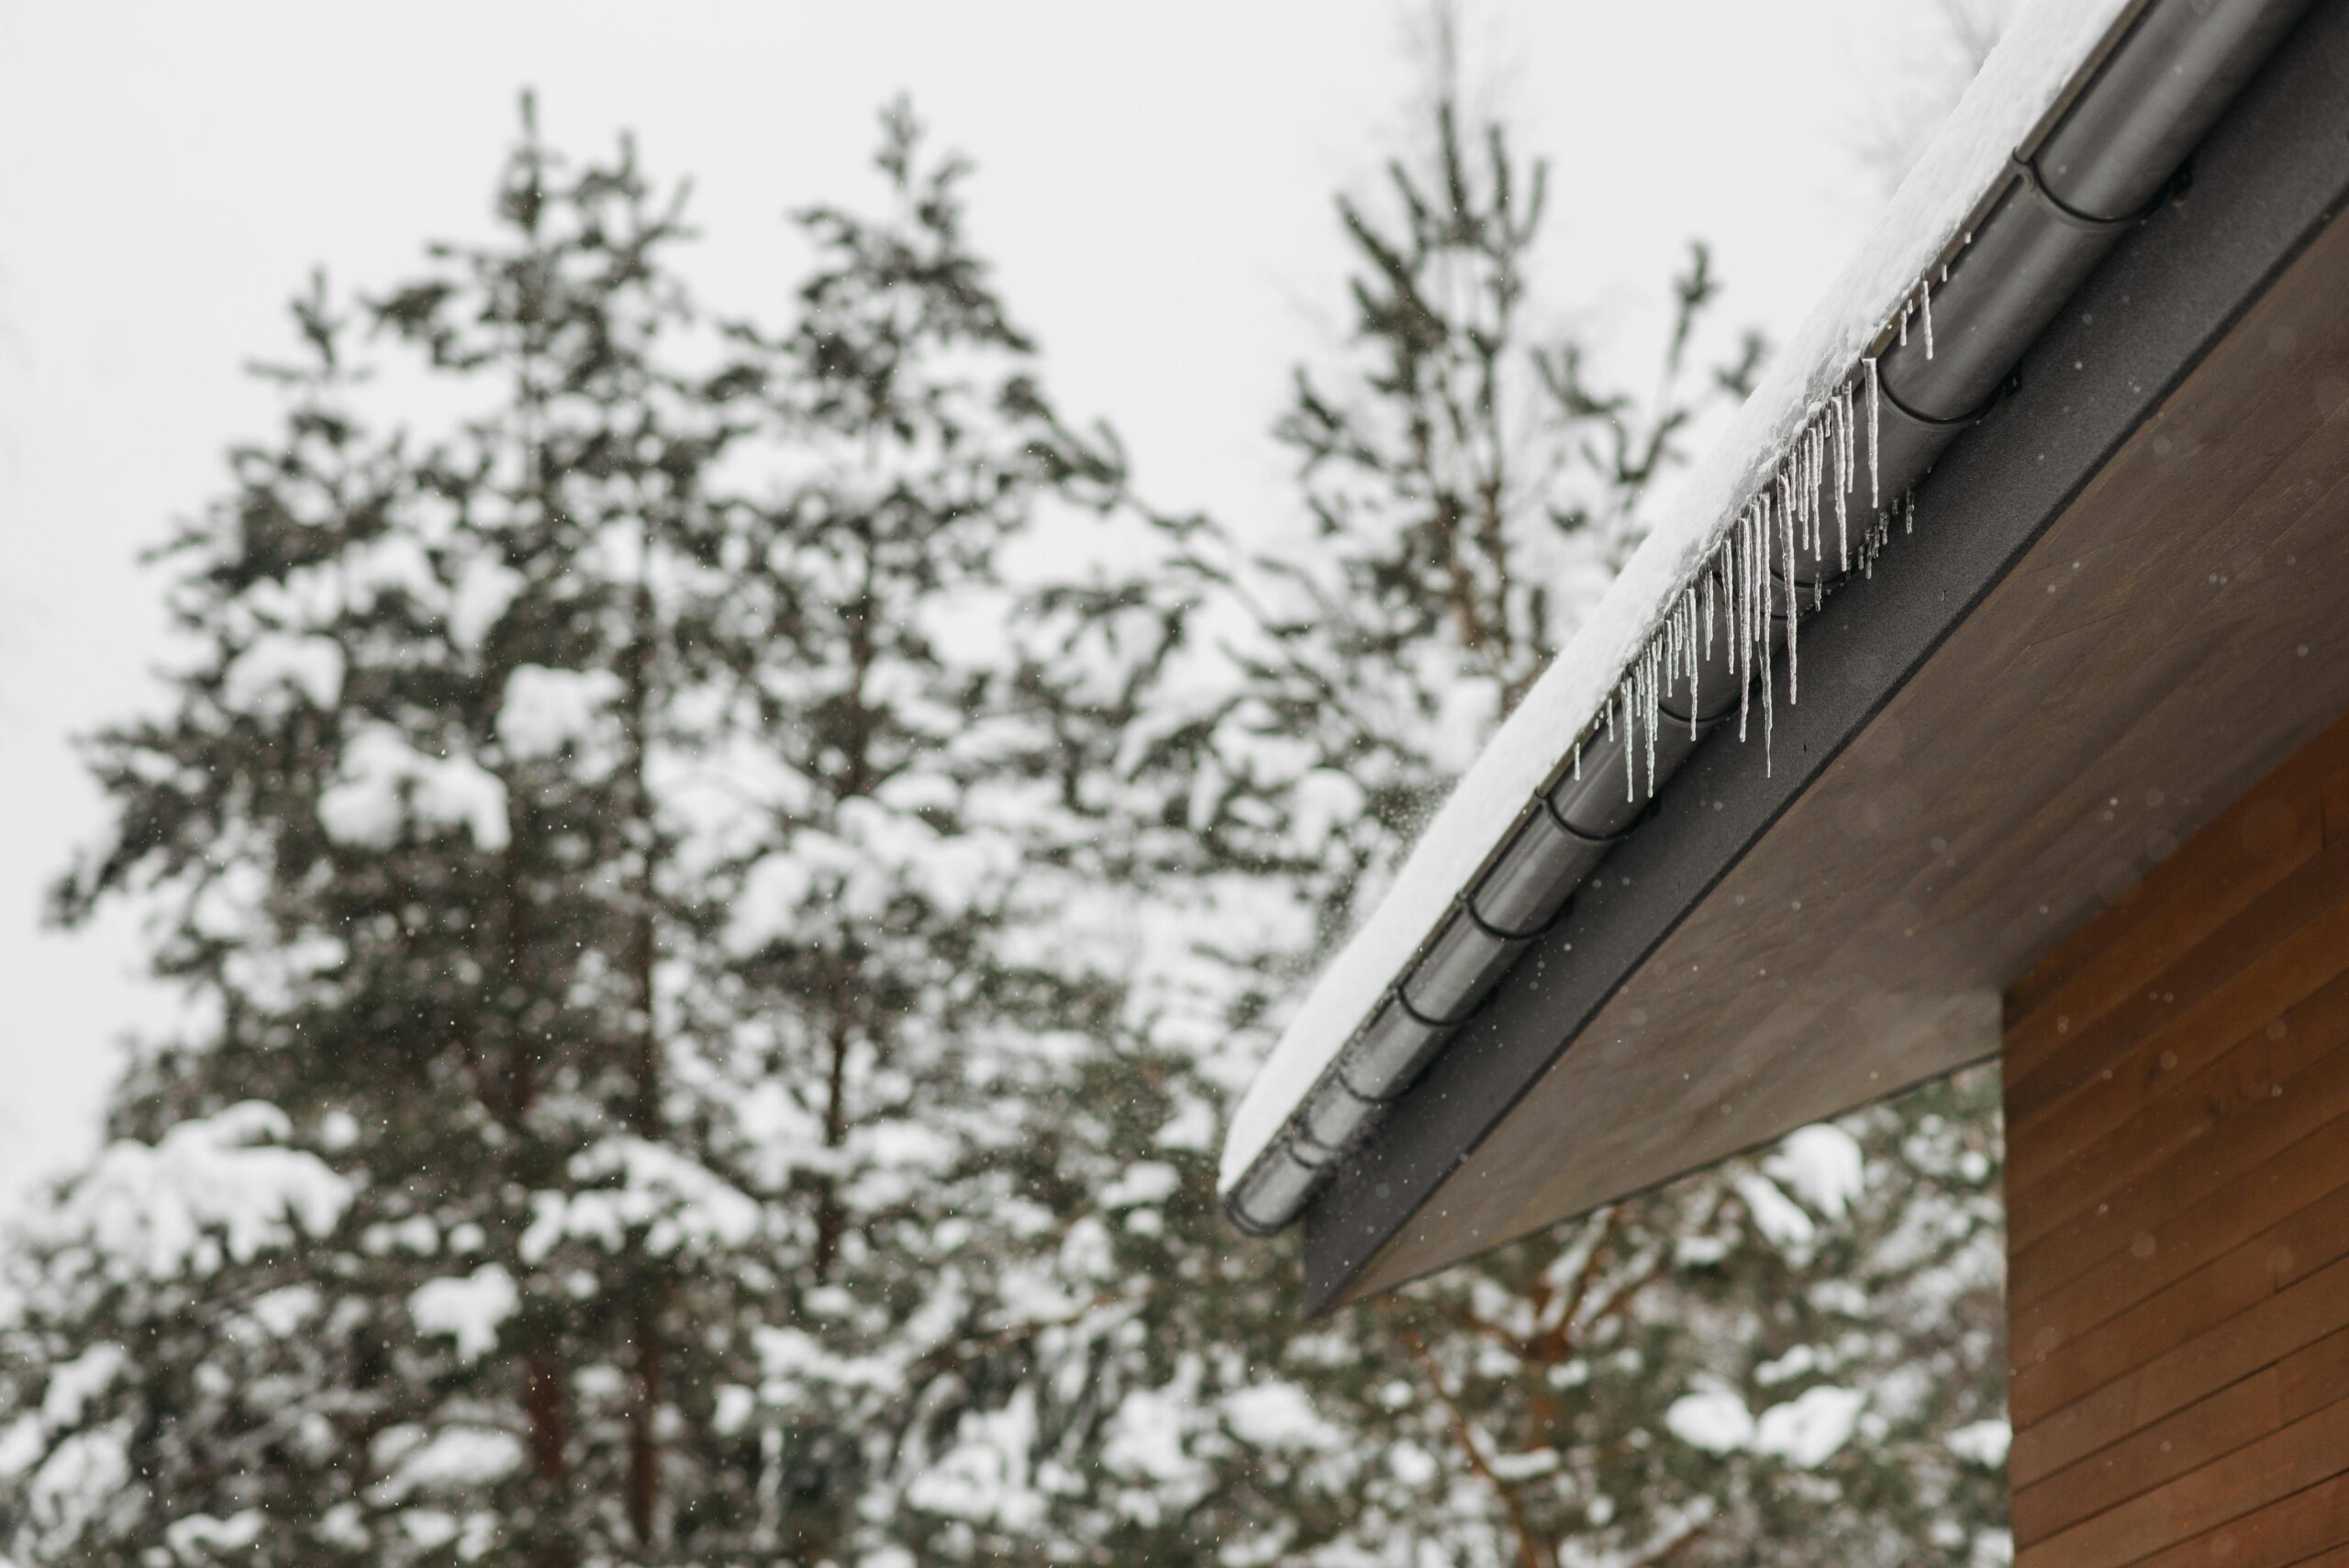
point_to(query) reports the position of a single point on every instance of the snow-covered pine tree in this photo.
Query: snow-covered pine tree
(400, 836)
(1771, 1358)
(935, 938)
(616, 830)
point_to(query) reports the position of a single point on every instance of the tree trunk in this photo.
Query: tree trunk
(651, 1283)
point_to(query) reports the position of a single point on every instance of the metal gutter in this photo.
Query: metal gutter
(2085, 179)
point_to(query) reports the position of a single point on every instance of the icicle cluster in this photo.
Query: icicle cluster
(1750, 584)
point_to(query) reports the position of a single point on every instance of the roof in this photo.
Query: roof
(1798, 442)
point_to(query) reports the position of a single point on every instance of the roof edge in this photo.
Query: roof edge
(2266, 182)
(1645, 630)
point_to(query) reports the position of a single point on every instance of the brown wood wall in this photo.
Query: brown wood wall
(2177, 1180)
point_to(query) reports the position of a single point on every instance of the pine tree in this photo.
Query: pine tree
(923, 936)
(401, 828)
(616, 830)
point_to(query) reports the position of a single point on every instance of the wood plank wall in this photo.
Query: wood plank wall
(2177, 1179)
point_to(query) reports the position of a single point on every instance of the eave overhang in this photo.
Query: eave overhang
(2115, 613)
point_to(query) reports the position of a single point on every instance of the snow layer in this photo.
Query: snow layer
(1822, 1165)
(223, 1183)
(1984, 1442)
(261, 676)
(383, 778)
(678, 1206)
(1714, 1419)
(1805, 1432)
(1807, 1429)
(1280, 1416)
(469, 1309)
(2022, 81)
(546, 710)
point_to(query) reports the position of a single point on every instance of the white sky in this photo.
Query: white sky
(1154, 185)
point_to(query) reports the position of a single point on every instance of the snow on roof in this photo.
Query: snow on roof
(2025, 81)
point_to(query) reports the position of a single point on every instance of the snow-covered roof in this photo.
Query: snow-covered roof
(2026, 81)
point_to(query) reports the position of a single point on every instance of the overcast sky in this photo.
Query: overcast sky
(1153, 183)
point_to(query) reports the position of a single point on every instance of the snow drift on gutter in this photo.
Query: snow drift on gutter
(2025, 79)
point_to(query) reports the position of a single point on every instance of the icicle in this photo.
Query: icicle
(1850, 437)
(1762, 624)
(1757, 571)
(1798, 470)
(1642, 712)
(1875, 501)
(1851, 428)
(1909, 524)
(1694, 664)
(1657, 687)
(1850, 454)
(1577, 762)
(1802, 488)
(1684, 632)
(1841, 406)
(1786, 507)
(1732, 586)
(1705, 588)
(1812, 495)
(1737, 618)
(1820, 453)
(1794, 659)
(1821, 450)
(1650, 707)
(1818, 483)
(1668, 650)
(1630, 741)
(1906, 306)
(1842, 476)
(1813, 503)
(1653, 703)
(1737, 612)
(1717, 600)
(1925, 294)
(1734, 611)
(1802, 495)
(1825, 462)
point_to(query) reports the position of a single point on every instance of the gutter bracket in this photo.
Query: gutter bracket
(1468, 907)
(2175, 186)
(1966, 420)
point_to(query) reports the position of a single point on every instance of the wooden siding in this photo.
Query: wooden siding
(2177, 1132)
